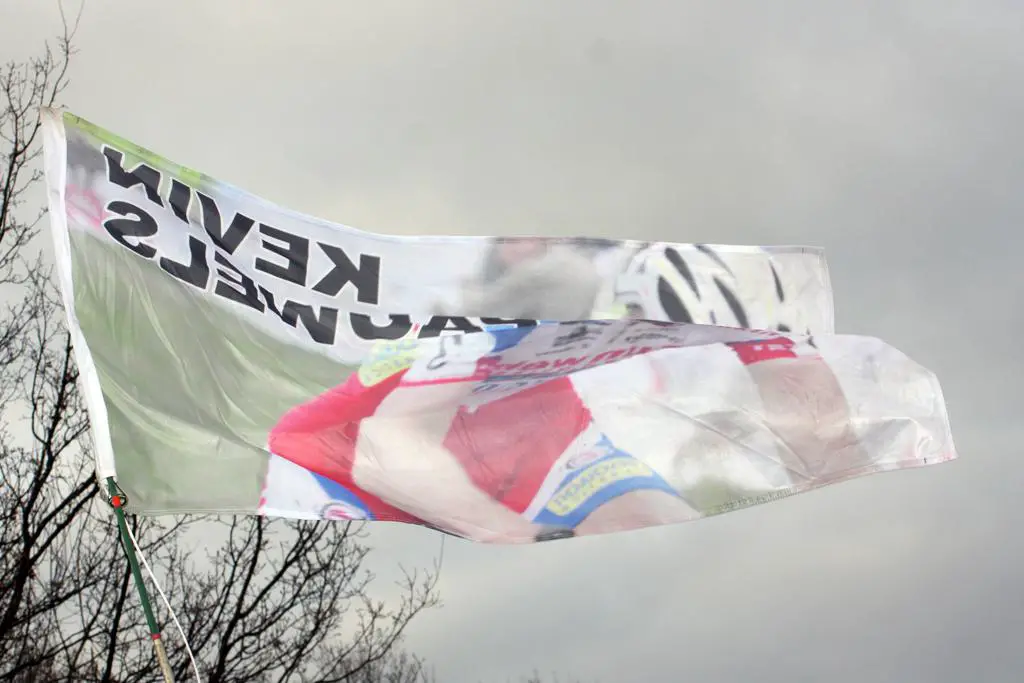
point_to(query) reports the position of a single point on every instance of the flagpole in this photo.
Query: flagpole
(117, 501)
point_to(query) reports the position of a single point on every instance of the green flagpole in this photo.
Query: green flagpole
(117, 501)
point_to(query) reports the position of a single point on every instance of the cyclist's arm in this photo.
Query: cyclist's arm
(801, 402)
(808, 411)
(400, 457)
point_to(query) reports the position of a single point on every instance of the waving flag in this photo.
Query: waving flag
(238, 357)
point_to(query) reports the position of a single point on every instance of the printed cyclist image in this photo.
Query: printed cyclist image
(549, 473)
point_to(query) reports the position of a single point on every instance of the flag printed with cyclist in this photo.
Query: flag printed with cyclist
(240, 358)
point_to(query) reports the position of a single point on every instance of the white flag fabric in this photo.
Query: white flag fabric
(238, 357)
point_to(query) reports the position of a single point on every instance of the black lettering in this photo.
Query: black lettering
(440, 323)
(142, 225)
(295, 252)
(229, 239)
(439, 360)
(180, 198)
(197, 271)
(268, 297)
(365, 277)
(364, 327)
(235, 286)
(321, 327)
(145, 175)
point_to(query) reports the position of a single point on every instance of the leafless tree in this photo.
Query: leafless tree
(274, 601)
(302, 584)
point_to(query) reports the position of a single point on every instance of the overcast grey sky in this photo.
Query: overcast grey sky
(891, 135)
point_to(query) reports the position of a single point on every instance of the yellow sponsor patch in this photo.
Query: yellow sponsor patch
(593, 479)
(387, 358)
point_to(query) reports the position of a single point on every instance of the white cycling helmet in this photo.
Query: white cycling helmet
(693, 284)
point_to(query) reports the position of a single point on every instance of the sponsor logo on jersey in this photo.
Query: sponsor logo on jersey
(338, 510)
